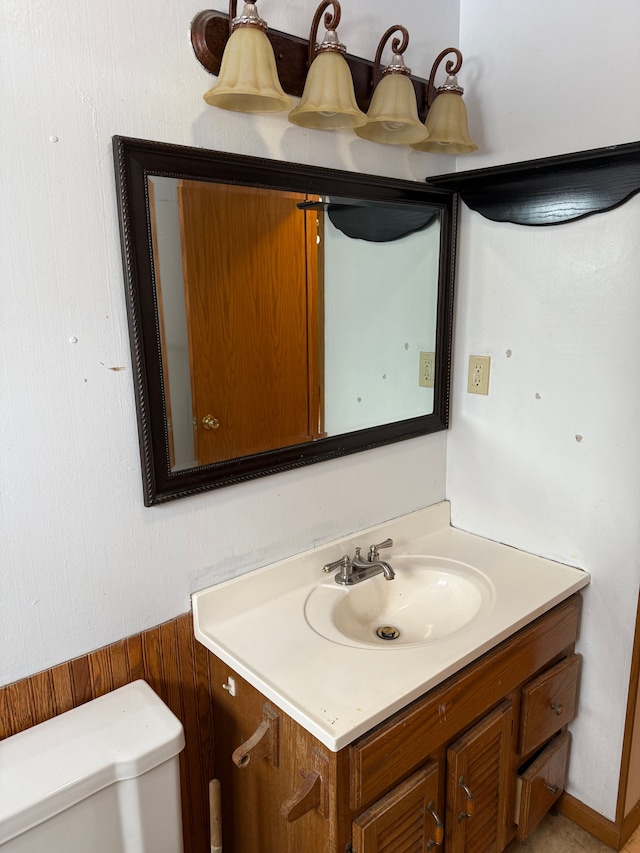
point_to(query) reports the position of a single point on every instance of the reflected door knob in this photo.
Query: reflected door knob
(209, 422)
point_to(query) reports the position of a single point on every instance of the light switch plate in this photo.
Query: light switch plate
(479, 366)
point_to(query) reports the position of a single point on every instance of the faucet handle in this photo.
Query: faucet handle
(373, 550)
(343, 563)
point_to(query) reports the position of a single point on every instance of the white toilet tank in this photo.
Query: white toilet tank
(101, 778)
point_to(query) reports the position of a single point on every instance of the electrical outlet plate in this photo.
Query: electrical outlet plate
(479, 366)
(427, 375)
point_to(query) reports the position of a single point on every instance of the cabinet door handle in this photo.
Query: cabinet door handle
(469, 805)
(438, 835)
(553, 789)
(557, 708)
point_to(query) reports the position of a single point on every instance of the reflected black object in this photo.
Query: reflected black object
(378, 224)
(375, 223)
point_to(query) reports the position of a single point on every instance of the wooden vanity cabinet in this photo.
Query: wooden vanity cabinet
(465, 768)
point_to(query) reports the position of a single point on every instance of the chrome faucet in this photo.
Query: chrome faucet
(359, 569)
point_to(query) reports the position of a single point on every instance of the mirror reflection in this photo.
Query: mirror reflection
(287, 317)
(280, 314)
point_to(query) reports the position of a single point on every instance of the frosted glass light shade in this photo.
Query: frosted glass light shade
(248, 80)
(447, 126)
(393, 113)
(328, 101)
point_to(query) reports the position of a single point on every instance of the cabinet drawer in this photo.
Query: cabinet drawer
(541, 785)
(548, 703)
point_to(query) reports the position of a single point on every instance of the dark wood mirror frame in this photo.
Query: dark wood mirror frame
(135, 160)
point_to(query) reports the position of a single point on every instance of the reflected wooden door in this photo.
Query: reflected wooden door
(250, 264)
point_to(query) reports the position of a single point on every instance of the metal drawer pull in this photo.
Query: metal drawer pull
(438, 838)
(553, 789)
(470, 804)
(557, 708)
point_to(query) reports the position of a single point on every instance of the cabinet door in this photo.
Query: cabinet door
(405, 821)
(479, 769)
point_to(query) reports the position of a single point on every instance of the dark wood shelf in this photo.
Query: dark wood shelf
(550, 190)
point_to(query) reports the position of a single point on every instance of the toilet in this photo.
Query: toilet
(101, 778)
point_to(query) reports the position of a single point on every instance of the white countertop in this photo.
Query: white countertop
(256, 624)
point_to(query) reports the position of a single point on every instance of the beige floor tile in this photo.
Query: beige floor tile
(559, 835)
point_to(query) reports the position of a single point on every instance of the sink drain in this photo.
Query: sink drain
(388, 632)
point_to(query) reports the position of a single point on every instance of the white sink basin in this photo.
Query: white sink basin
(430, 599)
(305, 642)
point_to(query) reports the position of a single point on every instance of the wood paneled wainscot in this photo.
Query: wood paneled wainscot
(466, 768)
(176, 667)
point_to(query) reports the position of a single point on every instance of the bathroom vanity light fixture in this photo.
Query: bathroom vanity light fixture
(392, 117)
(328, 100)
(248, 80)
(447, 115)
(336, 88)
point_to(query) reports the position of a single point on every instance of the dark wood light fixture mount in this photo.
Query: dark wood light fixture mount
(210, 32)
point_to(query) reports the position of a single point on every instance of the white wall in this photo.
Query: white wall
(550, 461)
(170, 284)
(83, 562)
(548, 77)
(380, 307)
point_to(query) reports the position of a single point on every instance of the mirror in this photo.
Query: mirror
(279, 314)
